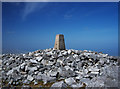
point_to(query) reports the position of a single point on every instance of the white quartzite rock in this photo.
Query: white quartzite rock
(10, 72)
(70, 81)
(39, 58)
(59, 85)
(30, 78)
(33, 61)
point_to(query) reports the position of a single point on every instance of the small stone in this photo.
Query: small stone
(11, 81)
(93, 69)
(70, 81)
(53, 74)
(23, 54)
(39, 58)
(44, 62)
(59, 85)
(67, 67)
(32, 69)
(37, 54)
(65, 53)
(93, 72)
(69, 51)
(22, 64)
(85, 71)
(26, 86)
(60, 54)
(49, 53)
(85, 80)
(33, 61)
(38, 77)
(79, 77)
(9, 72)
(75, 56)
(35, 82)
(30, 78)
(77, 85)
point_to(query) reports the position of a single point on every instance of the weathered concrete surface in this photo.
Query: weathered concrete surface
(59, 42)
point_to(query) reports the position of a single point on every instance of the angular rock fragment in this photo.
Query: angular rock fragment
(30, 78)
(59, 85)
(70, 81)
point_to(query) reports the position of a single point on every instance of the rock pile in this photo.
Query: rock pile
(62, 68)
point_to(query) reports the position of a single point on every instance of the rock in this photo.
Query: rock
(65, 53)
(75, 56)
(59, 85)
(60, 61)
(25, 82)
(46, 78)
(25, 86)
(93, 72)
(35, 82)
(30, 78)
(32, 69)
(60, 70)
(50, 63)
(23, 64)
(69, 51)
(33, 61)
(9, 72)
(38, 77)
(73, 66)
(49, 53)
(26, 68)
(11, 81)
(66, 67)
(60, 54)
(53, 74)
(23, 54)
(36, 72)
(39, 58)
(93, 69)
(44, 62)
(79, 77)
(77, 85)
(70, 81)
(85, 80)
(30, 53)
(79, 65)
(85, 71)
(37, 54)
(43, 69)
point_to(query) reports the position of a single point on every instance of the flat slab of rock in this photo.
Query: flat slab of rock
(70, 81)
(59, 85)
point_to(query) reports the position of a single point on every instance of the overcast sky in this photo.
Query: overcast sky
(29, 26)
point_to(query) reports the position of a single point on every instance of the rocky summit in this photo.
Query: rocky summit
(60, 68)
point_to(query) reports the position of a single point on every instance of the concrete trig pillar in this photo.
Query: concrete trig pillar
(59, 42)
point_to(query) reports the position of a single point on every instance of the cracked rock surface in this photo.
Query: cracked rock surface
(60, 68)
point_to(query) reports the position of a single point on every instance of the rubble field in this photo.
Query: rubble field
(60, 68)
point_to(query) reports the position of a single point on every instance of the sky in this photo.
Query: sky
(29, 26)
